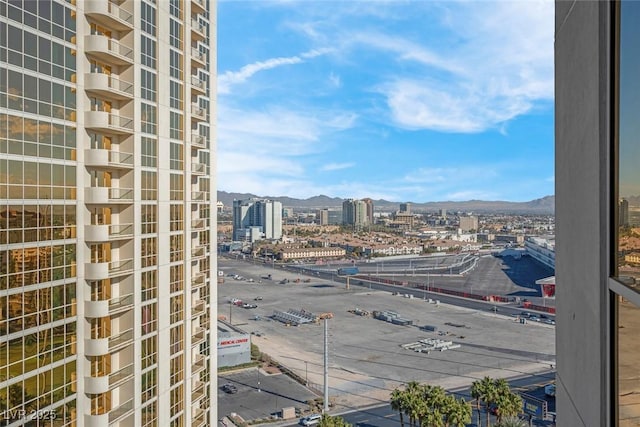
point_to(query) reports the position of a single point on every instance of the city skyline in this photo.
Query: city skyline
(337, 100)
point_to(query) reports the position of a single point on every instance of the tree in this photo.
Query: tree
(434, 398)
(508, 404)
(399, 403)
(329, 421)
(476, 393)
(457, 412)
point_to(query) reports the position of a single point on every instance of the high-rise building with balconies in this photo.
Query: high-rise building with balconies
(106, 182)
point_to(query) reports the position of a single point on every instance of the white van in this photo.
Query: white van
(310, 420)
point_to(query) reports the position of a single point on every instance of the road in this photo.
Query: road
(384, 416)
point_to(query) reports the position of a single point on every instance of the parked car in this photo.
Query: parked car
(257, 299)
(249, 306)
(229, 388)
(310, 420)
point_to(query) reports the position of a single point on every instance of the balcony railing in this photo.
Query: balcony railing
(120, 267)
(198, 278)
(108, 158)
(108, 49)
(198, 196)
(198, 390)
(120, 230)
(198, 84)
(196, 55)
(121, 339)
(198, 252)
(198, 141)
(108, 121)
(199, 364)
(108, 85)
(198, 224)
(120, 302)
(198, 335)
(110, 14)
(117, 193)
(197, 112)
(121, 410)
(198, 28)
(198, 168)
(120, 376)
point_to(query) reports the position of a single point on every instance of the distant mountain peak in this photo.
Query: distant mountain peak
(544, 205)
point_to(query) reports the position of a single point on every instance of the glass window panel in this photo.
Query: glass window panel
(628, 220)
(628, 366)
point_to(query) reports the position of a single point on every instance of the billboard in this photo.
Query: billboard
(534, 406)
(233, 345)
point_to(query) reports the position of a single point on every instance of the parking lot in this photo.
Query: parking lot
(366, 357)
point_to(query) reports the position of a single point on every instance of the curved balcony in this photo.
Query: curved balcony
(198, 196)
(95, 309)
(198, 113)
(198, 391)
(198, 30)
(96, 270)
(107, 232)
(96, 347)
(198, 224)
(96, 385)
(198, 87)
(198, 252)
(100, 158)
(109, 14)
(198, 59)
(101, 420)
(108, 86)
(108, 50)
(198, 278)
(199, 418)
(198, 168)
(198, 6)
(106, 195)
(106, 122)
(199, 364)
(198, 336)
(198, 141)
(198, 307)
(104, 308)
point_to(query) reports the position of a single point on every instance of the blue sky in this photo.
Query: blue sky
(400, 100)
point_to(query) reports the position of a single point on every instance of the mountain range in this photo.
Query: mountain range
(544, 206)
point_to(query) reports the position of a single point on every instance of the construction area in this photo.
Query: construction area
(378, 340)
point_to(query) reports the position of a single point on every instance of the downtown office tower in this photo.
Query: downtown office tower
(106, 226)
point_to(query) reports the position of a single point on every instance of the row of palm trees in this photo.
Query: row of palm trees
(427, 405)
(496, 396)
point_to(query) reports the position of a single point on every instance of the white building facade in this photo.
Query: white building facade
(107, 180)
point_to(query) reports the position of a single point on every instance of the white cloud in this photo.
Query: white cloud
(499, 66)
(336, 166)
(230, 78)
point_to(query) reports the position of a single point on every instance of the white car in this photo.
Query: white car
(310, 420)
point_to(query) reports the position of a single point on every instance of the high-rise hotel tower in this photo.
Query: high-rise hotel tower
(107, 231)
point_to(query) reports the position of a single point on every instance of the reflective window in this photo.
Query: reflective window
(629, 147)
(627, 329)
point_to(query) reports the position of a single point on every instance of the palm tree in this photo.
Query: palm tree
(487, 395)
(413, 396)
(508, 404)
(329, 421)
(476, 393)
(399, 403)
(457, 413)
(434, 398)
